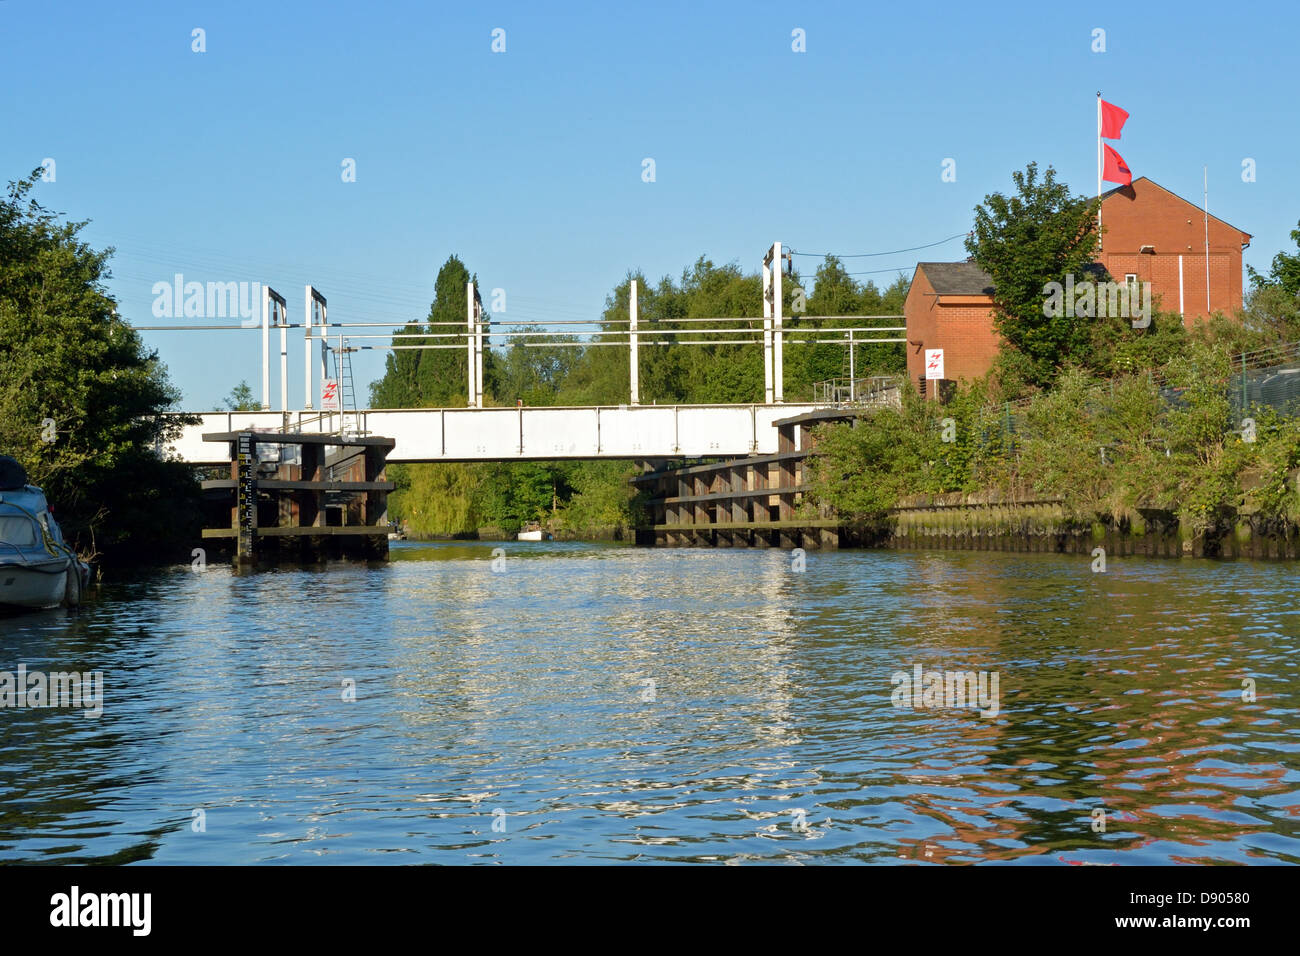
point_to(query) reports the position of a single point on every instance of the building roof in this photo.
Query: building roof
(966, 278)
(957, 278)
(1121, 190)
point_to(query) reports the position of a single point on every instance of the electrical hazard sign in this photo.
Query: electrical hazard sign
(329, 395)
(933, 364)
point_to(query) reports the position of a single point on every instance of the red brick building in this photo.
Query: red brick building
(949, 307)
(1148, 234)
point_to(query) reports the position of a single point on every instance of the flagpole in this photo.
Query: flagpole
(1099, 170)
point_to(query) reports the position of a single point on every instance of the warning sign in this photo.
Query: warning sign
(329, 395)
(933, 364)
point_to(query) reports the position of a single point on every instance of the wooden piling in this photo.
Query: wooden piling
(286, 516)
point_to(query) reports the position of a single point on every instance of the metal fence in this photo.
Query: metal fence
(1276, 387)
(1265, 378)
(875, 390)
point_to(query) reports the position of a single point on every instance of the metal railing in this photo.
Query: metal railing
(859, 392)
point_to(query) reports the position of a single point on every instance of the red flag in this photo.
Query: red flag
(1112, 120)
(1117, 170)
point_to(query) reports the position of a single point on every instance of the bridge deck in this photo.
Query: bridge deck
(519, 434)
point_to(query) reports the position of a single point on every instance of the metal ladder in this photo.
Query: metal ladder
(347, 386)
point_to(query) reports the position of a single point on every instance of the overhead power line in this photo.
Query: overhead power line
(876, 272)
(869, 255)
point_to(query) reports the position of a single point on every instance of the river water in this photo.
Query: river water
(586, 704)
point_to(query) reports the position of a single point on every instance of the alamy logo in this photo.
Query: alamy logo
(1100, 300)
(946, 689)
(34, 689)
(195, 300)
(75, 908)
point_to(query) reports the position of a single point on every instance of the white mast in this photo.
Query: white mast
(1099, 170)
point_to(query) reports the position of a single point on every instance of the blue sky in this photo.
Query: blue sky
(226, 165)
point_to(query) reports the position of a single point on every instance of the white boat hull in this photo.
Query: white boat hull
(41, 586)
(532, 536)
(37, 567)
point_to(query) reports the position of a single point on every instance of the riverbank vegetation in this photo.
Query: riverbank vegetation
(80, 396)
(1109, 419)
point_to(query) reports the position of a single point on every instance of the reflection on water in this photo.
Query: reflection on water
(687, 705)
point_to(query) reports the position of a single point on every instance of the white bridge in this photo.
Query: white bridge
(538, 433)
(519, 434)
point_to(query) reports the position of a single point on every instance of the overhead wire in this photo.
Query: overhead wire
(870, 255)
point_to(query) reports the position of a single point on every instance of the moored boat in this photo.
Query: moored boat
(37, 567)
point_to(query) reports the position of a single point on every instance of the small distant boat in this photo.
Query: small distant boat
(37, 567)
(536, 534)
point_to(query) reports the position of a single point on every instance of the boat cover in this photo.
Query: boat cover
(13, 476)
(17, 509)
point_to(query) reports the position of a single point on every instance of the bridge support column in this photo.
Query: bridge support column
(778, 363)
(773, 361)
(767, 329)
(282, 320)
(634, 366)
(324, 344)
(471, 384)
(266, 348)
(478, 353)
(306, 350)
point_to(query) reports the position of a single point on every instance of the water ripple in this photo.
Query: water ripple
(600, 704)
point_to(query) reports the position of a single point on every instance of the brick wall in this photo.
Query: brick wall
(1147, 214)
(1162, 273)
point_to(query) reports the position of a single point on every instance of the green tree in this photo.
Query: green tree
(81, 398)
(862, 468)
(1025, 241)
(1272, 307)
(396, 388)
(436, 499)
(242, 399)
(1284, 274)
(602, 501)
(1116, 348)
(1200, 479)
(440, 377)
(533, 369)
(671, 371)
(434, 377)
